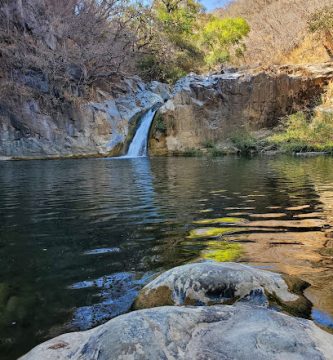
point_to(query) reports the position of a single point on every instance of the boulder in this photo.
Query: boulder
(239, 332)
(211, 283)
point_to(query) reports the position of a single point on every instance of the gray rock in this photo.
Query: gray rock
(163, 90)
(210, 283)
(79, 128)
(216, 332)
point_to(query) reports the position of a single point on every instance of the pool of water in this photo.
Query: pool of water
(79, 238)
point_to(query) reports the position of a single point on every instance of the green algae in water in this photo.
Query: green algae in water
(209, 232)
(223, 220)
(222, 251)
(206, 210)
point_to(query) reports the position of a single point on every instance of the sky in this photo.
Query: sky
(213, 4)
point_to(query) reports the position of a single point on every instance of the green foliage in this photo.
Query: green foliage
(159, 124)
(180, 38)
(177, 17)
(212, 148)
(191, 153)
(321, 20)
(150, 67)
(220, 35)
(208, 144)
(302, 133)
(244, 141)
(215, 152)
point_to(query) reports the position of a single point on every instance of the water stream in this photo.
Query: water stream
(139, 144)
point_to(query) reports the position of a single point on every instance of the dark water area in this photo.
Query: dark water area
(79, 238)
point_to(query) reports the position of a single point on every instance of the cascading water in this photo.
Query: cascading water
(139, 144)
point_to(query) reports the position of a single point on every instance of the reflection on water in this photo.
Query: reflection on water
(79, 238)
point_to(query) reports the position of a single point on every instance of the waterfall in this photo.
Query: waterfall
(139, 144)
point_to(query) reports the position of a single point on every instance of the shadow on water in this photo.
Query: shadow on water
(78, 239)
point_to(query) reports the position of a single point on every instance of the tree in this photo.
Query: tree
(69, 41)
(173, 50)
(222, 36)
(188, 39)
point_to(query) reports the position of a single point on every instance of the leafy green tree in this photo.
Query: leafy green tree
(177, 16)
(173, 47)
(221, 37)
(183, 38)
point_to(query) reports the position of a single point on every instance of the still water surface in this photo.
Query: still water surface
(79, 238)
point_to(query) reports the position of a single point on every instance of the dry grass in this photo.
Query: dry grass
(327, 98)
(278, 28)
(309, 50)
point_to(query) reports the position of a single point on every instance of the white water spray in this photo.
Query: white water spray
(139, 144)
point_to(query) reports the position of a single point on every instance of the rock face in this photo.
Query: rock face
(218, 332)
(78, 128)
(223, 283)
(202, 110)
(214, 108)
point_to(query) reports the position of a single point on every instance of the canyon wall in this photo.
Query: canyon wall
(37, 128)
(211, 109)
(201, 110)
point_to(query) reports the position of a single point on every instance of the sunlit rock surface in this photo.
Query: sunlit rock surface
(212, 109)
(216, 332)
(86, 127)
(210, 283)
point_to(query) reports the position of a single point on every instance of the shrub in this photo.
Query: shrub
(191, 152)
(208, 144)
(244, 141)
(159, 124)
(303, 133)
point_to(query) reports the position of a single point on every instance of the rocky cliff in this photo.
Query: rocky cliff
(201, 110)
(212, 109)
(67, 80)
(34, 128)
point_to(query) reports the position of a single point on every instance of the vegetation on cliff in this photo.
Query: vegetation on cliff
(84, 42)
(279, 30)
(304, 131)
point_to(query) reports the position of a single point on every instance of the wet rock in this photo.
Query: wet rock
(40, 129)
(239, 332)
(116, 294)
(210, 283)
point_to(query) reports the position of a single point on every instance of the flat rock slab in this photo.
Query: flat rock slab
(210, 283)
(239, 332)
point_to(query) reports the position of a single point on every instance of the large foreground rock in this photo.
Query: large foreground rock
(211, 283)
(216, 332)
(216, 108)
